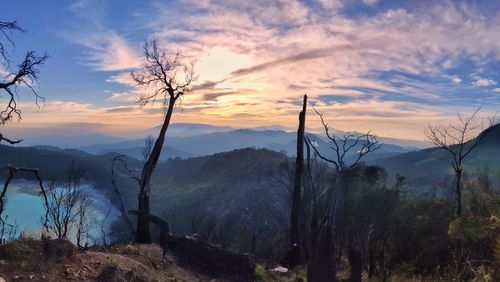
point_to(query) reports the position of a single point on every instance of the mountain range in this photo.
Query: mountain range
(189, 140)
(190, 143)
(272, 136)
(232, 177)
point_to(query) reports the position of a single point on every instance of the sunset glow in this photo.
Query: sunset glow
(368, 65)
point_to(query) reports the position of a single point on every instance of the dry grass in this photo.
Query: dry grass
(23, 260)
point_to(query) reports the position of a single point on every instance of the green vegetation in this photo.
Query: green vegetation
(426, 166)
(240, 200)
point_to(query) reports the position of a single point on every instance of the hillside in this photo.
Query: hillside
(69, 141)
(51, 161)
(435, 163)
(187, 192)
(237, 187)
(29, 260)
(136, 152)
(386, 150)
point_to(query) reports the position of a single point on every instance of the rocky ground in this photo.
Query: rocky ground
(58, 260)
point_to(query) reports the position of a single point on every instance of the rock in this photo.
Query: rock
(281, 269)
(197, 252)
(58, 250)
(110, 274)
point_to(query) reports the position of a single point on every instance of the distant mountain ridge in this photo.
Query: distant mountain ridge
(71, 141)
(184, 130)
(187, 140)
(216, 142)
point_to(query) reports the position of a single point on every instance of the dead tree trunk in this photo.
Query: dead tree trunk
(143, 233)
(293, 256)
(195, 251)
(356, 263)
(160, 72)
(458, 191)
(322, 265)
(123, 210)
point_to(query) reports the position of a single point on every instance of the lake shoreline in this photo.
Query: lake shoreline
(24, 194)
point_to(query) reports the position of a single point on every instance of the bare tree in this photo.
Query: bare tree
(103, 226)
(316, 172)
(13, 170)
(83, 225)
(161, 74)
(342, 146)
(7, 28)
(123, 209)
(26, 74)
(322, 266)
(67, 204)
(8, 231)
(459, 140)
(148, 147)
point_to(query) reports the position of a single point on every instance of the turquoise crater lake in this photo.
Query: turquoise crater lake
(24, 208)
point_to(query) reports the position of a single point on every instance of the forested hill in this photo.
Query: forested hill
(434, 162)
(237, 191)
(240, 191)
(52, 162)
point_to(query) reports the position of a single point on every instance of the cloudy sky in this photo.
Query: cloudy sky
(384, 66)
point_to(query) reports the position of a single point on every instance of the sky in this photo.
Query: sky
(391, 67)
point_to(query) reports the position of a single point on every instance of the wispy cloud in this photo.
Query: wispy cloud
(385, 66)
(126, 96)
(106, 50)
(456, 79)
(485, 82)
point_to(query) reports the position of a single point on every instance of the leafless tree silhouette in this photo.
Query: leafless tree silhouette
(342, 146)
(26, 75)
(67, 204)
(148, 147)
(168, 78)
(459, 140)
(119, 160)
(322, 266)
(83, 225)
(12, 171)
(7, 28)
